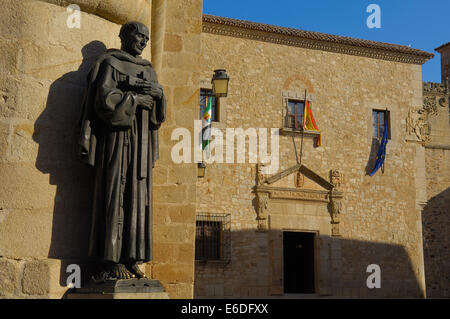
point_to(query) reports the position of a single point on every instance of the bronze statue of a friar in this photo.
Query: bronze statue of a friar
(123, 109)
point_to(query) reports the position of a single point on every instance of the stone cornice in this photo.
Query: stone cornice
(117, 11)
(313, 40)
(439, 49)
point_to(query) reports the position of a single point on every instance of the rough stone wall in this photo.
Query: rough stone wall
(45, 194)
(45, 199)
(175, 184)
(435, 215)
(436, 223)
(380, 222)
(113, 10)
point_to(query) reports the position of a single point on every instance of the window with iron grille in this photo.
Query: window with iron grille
(380, 119)
(213, 237)
(204, 95)
(294, 114)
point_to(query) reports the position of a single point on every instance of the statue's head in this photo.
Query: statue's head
(134, 37)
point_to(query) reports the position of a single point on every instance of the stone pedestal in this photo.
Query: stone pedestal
(121, 289)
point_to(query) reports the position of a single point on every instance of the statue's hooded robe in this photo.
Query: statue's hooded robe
(121, 141)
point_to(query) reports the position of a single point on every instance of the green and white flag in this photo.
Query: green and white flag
(206, 127)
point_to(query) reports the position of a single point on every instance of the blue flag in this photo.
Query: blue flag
(381, 155)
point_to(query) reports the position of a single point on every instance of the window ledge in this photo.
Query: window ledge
(293, 132)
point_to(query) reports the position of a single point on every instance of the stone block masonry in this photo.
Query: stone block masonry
(380, 222)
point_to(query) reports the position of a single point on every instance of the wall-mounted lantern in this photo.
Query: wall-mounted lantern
(220, 83)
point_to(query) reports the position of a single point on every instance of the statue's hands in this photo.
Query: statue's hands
(155, 90)
(144, 101)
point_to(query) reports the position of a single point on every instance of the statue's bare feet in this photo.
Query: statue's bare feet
(134, 268)
(119, 271)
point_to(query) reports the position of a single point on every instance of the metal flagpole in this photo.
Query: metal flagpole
(295, 148)
(386, 127)
(206, 128)
(303, 130)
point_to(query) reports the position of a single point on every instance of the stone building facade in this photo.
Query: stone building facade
(355, 220)
(436, 218)
(317, 198)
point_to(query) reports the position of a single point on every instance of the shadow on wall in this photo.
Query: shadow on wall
(372, 156)
(56, 132)
(436, 244)
(340, 269)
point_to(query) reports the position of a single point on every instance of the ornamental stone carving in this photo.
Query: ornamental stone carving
(328, 193)
(260, 178)
(417, 125)
(435, 97)
(299, 180)
(430, 105)
(335, 212)
(336, 178)
(444, 101)
(434, 94)
(336, 208)
(262, 205)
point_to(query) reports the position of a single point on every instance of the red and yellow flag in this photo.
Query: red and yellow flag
(309, 124)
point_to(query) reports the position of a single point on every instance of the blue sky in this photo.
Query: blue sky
(422, 24)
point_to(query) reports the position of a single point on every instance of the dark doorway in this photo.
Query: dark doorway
(298, 257)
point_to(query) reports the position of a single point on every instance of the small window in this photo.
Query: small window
(381, 119)
(294, 114)
(212, 239)
(204, 95)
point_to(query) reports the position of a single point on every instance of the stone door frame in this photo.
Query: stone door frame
(296, 204)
